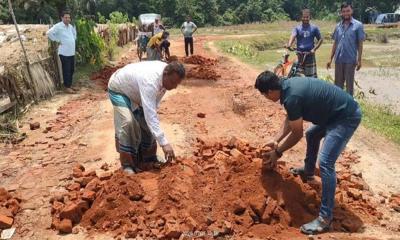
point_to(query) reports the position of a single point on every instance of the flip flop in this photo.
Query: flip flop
(300, 172)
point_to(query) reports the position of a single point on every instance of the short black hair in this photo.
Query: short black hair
(165, 34)
(176, 67)
(345, 5)
(65, 12)
(268, 81)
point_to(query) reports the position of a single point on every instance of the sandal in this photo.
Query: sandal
(300, 172)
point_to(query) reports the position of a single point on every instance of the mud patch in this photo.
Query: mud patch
(221, 190)
(200, 60)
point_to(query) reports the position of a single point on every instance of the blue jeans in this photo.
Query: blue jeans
(336, 135)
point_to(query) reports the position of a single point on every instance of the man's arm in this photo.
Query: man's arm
(285, 130)
(195, 28)
(74, 31)
(296, 133)
(360, 39)
(53, 33)
(360, 52)
(182, 27)
(319, 40)
(333, 51)
(149, 104)
(294, 137)
(328, 65)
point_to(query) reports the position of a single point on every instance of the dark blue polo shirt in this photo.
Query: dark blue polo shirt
(315, 101)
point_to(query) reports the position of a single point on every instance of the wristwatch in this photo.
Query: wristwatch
(278, 153)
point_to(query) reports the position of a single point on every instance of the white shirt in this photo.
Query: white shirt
(66, 35)
(188, 28)
(142, 84)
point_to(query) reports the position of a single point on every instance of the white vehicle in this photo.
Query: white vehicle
(387, 18)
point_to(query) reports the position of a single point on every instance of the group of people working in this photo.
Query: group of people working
(136, 91)
(158, 45)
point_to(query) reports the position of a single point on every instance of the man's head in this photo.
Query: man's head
(165, 35)
(189, 18)
(157, 20)
(305, 16)
(66, 17)
(269, 85)
(346, 11)
(173, 75)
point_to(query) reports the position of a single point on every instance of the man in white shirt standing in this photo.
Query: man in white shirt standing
(187, 29)
(136, 91)
(65, 34)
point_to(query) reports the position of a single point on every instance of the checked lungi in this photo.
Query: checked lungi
(309, 67)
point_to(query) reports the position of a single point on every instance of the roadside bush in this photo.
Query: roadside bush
(90, 45)
(101, 18)
(118, 17)
(112, 40)
(238, 49)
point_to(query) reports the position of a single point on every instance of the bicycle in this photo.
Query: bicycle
(291, 68)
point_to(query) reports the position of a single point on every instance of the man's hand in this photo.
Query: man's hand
(328, 65)
(359, 64)
(272, 144)
(270, 159)
(168, 152)
(313, 51)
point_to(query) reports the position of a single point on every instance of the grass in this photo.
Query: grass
(264, 52)
(268, 50)
(381, 120)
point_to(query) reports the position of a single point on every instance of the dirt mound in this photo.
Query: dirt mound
(9, 207)
(103, 76)
(202, 72)
(221, 190)
(200, 60)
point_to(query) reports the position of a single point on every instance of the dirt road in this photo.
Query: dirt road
(79, 129)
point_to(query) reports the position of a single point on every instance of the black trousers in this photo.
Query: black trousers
(188, 43)
(68, 68)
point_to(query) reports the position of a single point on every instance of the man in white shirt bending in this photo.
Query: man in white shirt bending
(187, 29)
(135, 92)
(65, 34)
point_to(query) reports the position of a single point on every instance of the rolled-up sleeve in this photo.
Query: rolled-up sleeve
(148, 96)
(53, 33)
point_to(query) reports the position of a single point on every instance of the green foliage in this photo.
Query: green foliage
(101, 18)
(118, 17)
(90, 45)
(111, 45)
(204, 12)
(237, 48)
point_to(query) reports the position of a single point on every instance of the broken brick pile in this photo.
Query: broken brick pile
(200, 60)
(9, 207)
(222, 190)
(204, 69)
(67, 209)
(103, 76)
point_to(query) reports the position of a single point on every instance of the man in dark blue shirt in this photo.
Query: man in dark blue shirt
(335, 116)
(305, 35)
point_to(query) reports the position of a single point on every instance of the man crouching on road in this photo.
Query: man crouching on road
(335, 116)
(135, 92)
